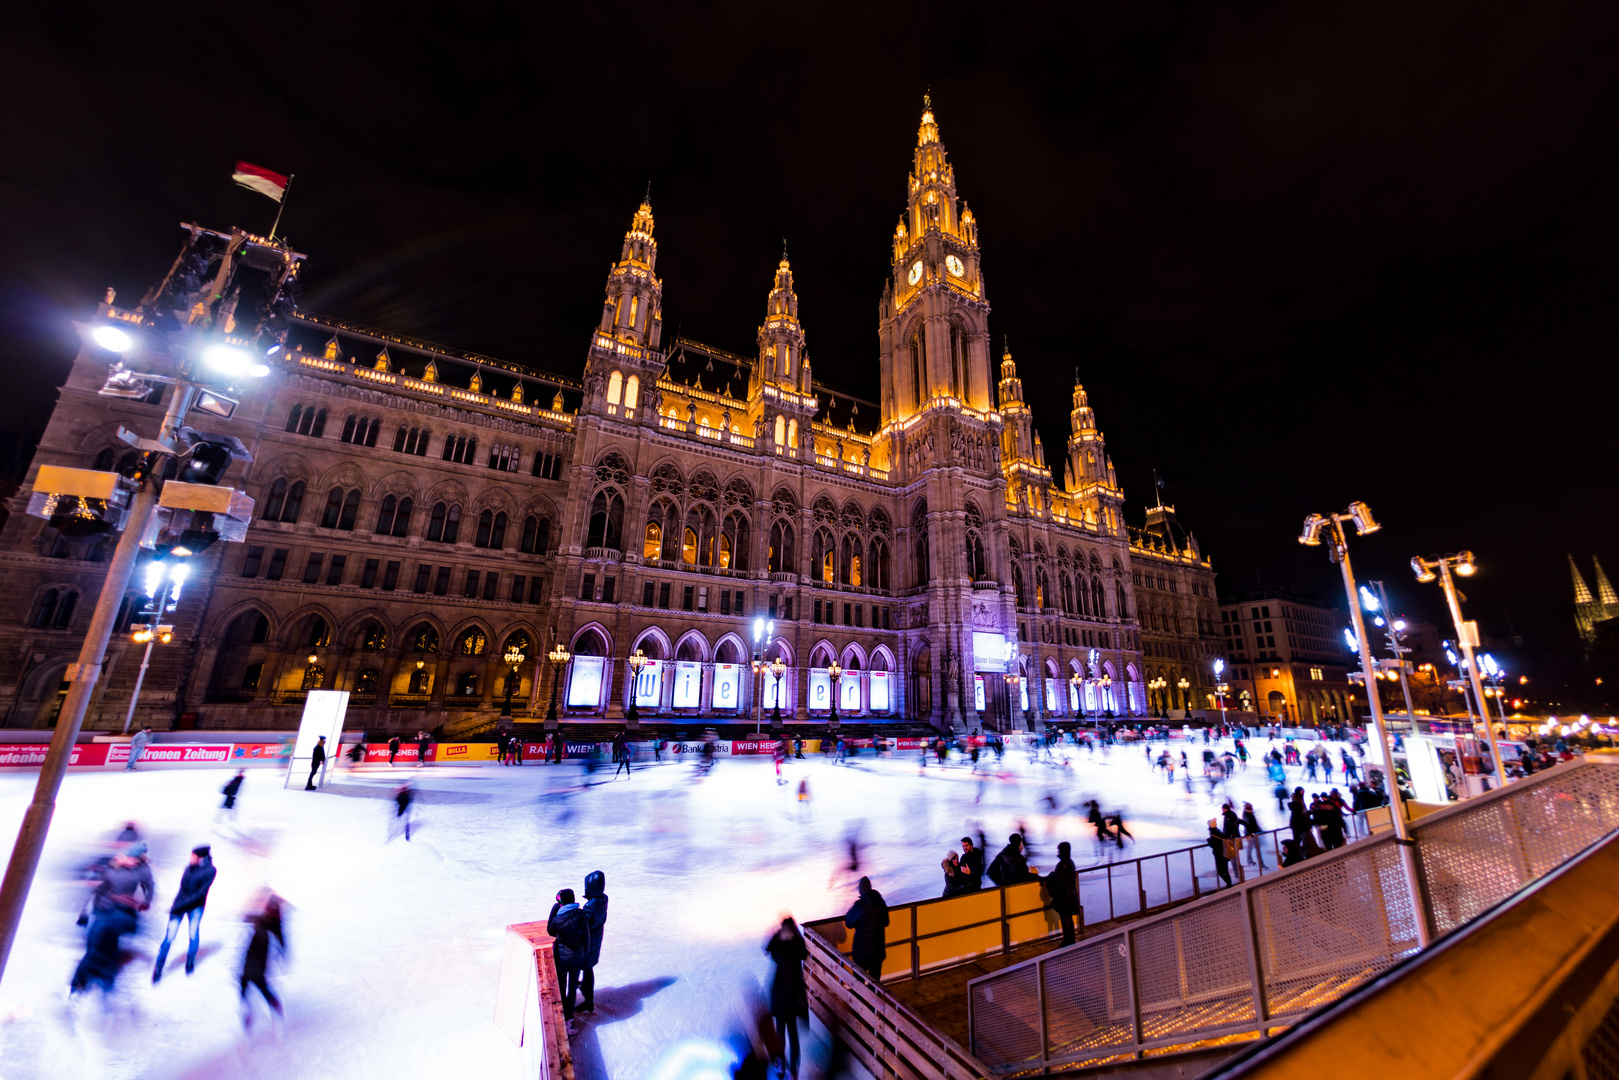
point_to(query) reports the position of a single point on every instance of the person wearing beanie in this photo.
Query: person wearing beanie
(188, 905)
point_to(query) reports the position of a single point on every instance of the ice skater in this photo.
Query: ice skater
(317, 762)
(268, 925)
(517, 751)
(789, 999)
(113, 905)
(188, 906)
(423, 742)
(393, 749)
(137, 747)
(595, 909)
(621, 753)
(232, 788)
(357, 754)
(404, 795)
(571, 930)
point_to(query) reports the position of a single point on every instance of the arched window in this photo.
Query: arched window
(919, 530)
(277, 499)
(251, 675)
(351, 510)
(293, 417)
(367, 681)
(449, 448)
(261, 631)
(976, 568)
(452, 525)
(47, 608)
(606, 521)
(402, 518)
(435, 524)
(653, 547)
(317, 429)
(385, 516)
(472, 451)
(472, 643)
(781, 548)
(878, 569)
(531, 528)
(688, 547)
(317, 634)
(400, 437)
(421, 681)
(781, 430)
(373, 637)
(615, 387)
(1020, 586)
(314, 677)
(424, 639)
(334, 509)
(485, 521)
(1098, 599)
(466, 684)
(542, 542)
(64, 613)
(348, 428)
(103, 462)
(632, 391)
(792, 433)
(497, 537)
(1040, 588)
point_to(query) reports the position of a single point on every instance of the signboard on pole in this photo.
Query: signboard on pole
(324, 711)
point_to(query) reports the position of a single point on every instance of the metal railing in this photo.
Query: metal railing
(1254, 959)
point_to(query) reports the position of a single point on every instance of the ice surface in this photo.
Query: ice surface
(395, 947)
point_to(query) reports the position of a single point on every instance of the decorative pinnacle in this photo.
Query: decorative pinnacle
(648, 199)
(927, 99)
(784, 249)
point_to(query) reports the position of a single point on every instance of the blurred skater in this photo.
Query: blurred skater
(621, 753)
(357, 754)
(137, 747)
(267, 925)
(393, 748)
(232, 788)
(113, 907)
(869, 920)
(517, 751)
(789, 1000)
(595, 910)
(404, 796)
(188, 906)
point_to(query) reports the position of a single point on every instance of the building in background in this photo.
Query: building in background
(1287, 656)
(420, 510)
(1590, 610)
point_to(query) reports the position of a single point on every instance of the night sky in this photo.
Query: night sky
(1299, 255)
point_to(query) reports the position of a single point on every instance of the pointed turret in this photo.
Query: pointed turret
(1582, 594)
(787, 408)
(1019, 447)
(1605, 594)
(633, 311)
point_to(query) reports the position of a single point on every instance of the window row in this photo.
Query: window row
(285, 503)
(363, 431)
(54, 609)
(826, 612)
(385, 574)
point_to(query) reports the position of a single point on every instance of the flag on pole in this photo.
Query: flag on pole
(259, 179)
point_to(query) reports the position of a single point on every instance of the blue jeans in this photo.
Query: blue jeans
(195, 916)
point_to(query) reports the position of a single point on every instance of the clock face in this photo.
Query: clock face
(916, 272)
(953, 264)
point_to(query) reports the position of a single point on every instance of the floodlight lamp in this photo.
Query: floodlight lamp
(1219, 666)
(228, 360)
(1311, 533)
(1350, 639)
(1368, 599)
(1465, 565)
(154, 577)
(1377, 620)
(1361, 514)
(1399, 626)
(312, 658)
(112, 339)
(758, 630)
(1420, 567)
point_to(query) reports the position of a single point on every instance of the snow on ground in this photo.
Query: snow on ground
(395, 947)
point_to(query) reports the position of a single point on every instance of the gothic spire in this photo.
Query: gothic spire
(1582, 595)
(1605, 594)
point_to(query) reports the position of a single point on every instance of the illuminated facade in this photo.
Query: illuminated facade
(1287, 658)
(1590, 610)
(419, 508)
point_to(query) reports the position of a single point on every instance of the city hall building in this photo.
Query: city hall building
(419, 511)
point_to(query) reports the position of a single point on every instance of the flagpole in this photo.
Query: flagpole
(281, 204)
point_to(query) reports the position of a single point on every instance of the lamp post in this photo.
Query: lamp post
(1330, 527)
(1220, 688)
(1466, 633)
(1076, 680)
(558, 657)
(835, 672)
(514, 661)
(1376, 599)
(1185, 685)
(632, 715)
(761, 631)
(1156, 685)
(1107, 699)
(778, 668)
(160, 576)
(1011, 678)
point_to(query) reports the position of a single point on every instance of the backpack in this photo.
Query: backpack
(995, 871)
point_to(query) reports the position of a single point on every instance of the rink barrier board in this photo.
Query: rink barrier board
(528, 1003)
(168, 755)
(1258, 957)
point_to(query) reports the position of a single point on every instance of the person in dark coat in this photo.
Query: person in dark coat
(869, 919)
(113, 907)
(317, 761)
(595, 908)
(393, 749)
(423, 742)
(1062, 885)
(267, 924)
(1231, 829)
(789, 1000)
(952, 875)
(404, 795)
(188, 905)
(1010, 867)
(232, 788)
(1222, 865)
(1250, 826)
(972, 866)
(571, 930)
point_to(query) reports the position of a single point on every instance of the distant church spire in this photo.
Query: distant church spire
(1605, 593)
(1582, 594)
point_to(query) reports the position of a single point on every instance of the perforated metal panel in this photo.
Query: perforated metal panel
(1473, 860)
(1329, 927)
(1088, 997)
(1006, 1019)
(1192, 971)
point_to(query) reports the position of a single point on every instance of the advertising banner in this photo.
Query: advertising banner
(466, 753)
(978, 692)
(585, 686)
(688, 684)
(989, 650)
(820, 690)
(649, 685)
(1023, 692)
(177, 753)
(245, 752)
(1051, 695)
(85, 755)
(727, 686)
(879, 692)
(849, 692)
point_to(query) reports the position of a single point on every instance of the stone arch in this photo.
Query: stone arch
(407, 643)
(697, 644)
(822, 653)
(230, 615)
(494, 497)
(781, 647)
(853, 652)
(735, 646)
(39, 698)
(661, 648)
(882, 659)
(346, 475)
(461, 631)
(667, 476)
(397, 483)
(449, 492)
(293, 624)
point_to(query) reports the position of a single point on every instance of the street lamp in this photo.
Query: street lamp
(558, 657)
(1185, 685)
(1330, 526)
(1107, 695)
(514, 661)
(1156, 685)
(163, 581)
(1466, 633)
(778, 668)
(1220, 688)
(761, 631)
(632, 717)
(835, 672)
(1076, 680)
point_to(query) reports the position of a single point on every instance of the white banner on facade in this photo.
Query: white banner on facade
(989, 650)
(727, 686)
(978, 692)
(849, 692)
(820, 689)
(585, 687)
(688, 684)
(1073, 699)
(773, 686)
(879, 692)
(649, 685)
(1023, 691)
(1051, 696)
(324, 711)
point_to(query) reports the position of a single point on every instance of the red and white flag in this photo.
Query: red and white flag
(259, 179)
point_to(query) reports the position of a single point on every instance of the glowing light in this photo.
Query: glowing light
(112, 339)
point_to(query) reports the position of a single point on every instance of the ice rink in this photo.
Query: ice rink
(395, 947)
